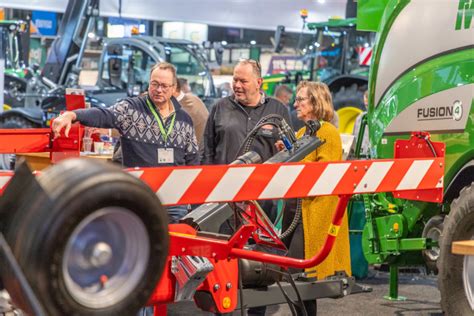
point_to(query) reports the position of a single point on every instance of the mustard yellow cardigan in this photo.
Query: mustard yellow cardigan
(317, 212)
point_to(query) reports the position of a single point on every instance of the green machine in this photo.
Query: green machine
(340, 57)
(422, 79)
(13, 36)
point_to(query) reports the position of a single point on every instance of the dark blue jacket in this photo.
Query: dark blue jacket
(140, 133)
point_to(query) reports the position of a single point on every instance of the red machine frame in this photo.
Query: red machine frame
(222, 283)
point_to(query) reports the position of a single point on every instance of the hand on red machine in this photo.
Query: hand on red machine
(63, 121)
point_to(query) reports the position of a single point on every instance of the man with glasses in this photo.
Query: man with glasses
(233, 117)
(154, 130)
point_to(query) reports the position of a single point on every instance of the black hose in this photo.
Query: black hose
(294, 223)
(250, 136)
(300, 301)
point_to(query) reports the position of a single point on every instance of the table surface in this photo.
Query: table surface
(465, 247)
(39, 161)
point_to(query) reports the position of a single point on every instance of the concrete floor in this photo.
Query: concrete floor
(421, 292)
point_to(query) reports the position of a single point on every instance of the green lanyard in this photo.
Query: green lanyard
(160, 124)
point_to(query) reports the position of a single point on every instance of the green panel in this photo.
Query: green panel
(436, 75)
(332, 23)
(369, 14)
(464, 16)
(407, 244)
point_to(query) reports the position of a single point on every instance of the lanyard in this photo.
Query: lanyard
(160, 124)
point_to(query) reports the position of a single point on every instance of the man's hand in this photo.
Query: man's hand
(63, 121)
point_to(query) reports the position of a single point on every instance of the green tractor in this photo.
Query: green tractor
(339, 56)
(422, 79)
(21, 87)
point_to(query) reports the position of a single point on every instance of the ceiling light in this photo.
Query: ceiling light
(321, 1)
(252, 42)
(224, 43)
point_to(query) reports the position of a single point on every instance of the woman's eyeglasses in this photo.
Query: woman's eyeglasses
(300, 99)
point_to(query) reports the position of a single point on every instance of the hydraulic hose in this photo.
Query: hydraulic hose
(294, 222)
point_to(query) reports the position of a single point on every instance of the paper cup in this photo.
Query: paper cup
(98, 147)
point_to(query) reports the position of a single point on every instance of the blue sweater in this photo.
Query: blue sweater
(140, 133)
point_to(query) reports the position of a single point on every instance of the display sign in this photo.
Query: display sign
(120, 27)
(194, 32)
(44, 23)
(282, 64)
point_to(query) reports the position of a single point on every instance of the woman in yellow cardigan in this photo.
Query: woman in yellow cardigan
(313, 102)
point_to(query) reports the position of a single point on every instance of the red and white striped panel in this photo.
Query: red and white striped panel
(365, 56)
(5, 177)
(203, 184)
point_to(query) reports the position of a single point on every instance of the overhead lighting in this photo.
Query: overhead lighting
(304, 50)
(311, 47)
(321, 1)
(317, 44)
(252, 42)
(224, 43)
(91, 35)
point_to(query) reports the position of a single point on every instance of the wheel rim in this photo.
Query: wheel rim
(433, 234)
(468, 278)
(347, 117)
(105, 257)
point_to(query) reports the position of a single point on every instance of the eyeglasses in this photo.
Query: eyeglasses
(254, 63)
(300, 99)
(155, 85)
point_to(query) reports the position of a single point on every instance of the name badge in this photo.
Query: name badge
(165, 155)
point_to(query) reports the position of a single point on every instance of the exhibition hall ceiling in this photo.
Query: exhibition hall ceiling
(258, 14)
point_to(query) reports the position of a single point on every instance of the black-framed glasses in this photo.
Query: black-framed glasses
(155, 85)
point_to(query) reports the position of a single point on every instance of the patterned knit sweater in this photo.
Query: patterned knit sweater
(141, 137)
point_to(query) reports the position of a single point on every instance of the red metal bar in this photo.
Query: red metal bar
(25, 140)
(189, 244)
(300, 263)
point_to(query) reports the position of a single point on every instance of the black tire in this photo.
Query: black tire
(15, 121)
(433, 230)
(349, 96)
(459, 225)
(41, 229)
(14, 90)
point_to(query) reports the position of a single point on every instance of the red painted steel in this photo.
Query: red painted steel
(230, 183)
(25, 140)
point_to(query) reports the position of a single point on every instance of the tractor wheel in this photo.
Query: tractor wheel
(7, 161)
(433, 230)
(349, 96)
(93, 242)
(456, 272)
(349, 104)
(14, 121)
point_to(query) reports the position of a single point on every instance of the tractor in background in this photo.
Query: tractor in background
(340, 57)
